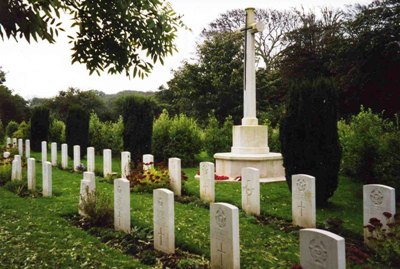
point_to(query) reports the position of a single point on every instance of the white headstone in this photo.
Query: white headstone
(77, 157)
(251, 191)
(175, 175)
(14, 142)
(163, 219)
(303, 201)
(44, 152)
(321, 249)
(378, 199)
(122, 205)
(54, 154)
(148, 162)
(31, 174)
(16, 172)
(125, 160)
(6, 154)
(224, 235)
(21, 147)
(8, 141)
(107, 162)
(64, 156)
(90, 159)
(27, 148)
(207, 184)
(88, 186)
(47, 179)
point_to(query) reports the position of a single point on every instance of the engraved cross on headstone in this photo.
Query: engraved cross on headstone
(301, 208)
(222, 252)
(160, 233)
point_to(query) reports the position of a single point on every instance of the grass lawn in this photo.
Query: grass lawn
(36, 232)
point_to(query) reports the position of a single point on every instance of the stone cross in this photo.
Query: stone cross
(21, 147)
(44, 152)
(125, 161)
(54, 154)
(148, 162)
(77, 157)
(47, 180)
(207, 184)
(321, 249)
(88, 186)
(378, 199)
(122, 205)
(90, 159)
(251, 190)
(31, 174)
(64, 156)
(175, 175)
(16, 169)
(303, 201)
(27, 148)
(107, 162)
(163, 220)
(224, 235)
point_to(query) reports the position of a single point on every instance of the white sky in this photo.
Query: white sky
(42, 69)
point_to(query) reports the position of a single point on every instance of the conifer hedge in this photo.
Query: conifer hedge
(137, 114)
(77, 129)
(39, 127)
(309, 135)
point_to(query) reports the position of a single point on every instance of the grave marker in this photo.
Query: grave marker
(44, 152)
(90, 159)
(122, 205)
(224, 234)
(107, 162)
(148, 162)
(125, 160)
(303, 201)
(175, 175)
(77, 157)
(88, 186)
(251, 190)
(47, 180)
(27, 148)
(16, 169)
(14, 142)
(64, 156)
(321, 249)
(20, 147)
(207, 185)
(8, 141)
(54, 154)
(163, 219)
(31, 174)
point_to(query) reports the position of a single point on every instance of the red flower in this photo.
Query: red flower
(374, 221)
(370, 228)
(296, 266)
(387, 214)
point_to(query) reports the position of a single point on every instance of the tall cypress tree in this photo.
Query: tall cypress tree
(39, 127)
(77, 129)
(137, 113)
(309, 136)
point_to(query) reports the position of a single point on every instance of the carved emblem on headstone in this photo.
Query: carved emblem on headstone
(160, 202)
(318, 251)
(301, 184)
(376, 197)
(220, 218)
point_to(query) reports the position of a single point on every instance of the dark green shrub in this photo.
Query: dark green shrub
(161, 137)
(20, 188)
(98, 210)
(77, 130)
(39, 127)
(106, 135)
(2, 133)
(218, 138)
(12, 126)
(137, 116)
(57, 131)
(23, 131)
(309, 136)
(5, 170)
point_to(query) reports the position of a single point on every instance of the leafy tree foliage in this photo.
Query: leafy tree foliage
(309, 135)
(77, 130)
(138, 126)
(110, 35)
(11, 128)
(39, 127)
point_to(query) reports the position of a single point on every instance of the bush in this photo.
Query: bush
(39, 127)
(161, 137)
(137, 116)
(12, 126)
(57, 131)
(98, 210)
(216, 138)
(23, 130)
(5, 170)
(77, 130)
(309, 135)
(106, 135)
(20, 188)
(2, 133)
(274, 143)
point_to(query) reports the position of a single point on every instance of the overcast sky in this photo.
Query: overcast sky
(42, 69)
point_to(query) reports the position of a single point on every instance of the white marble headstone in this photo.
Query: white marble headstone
(107, 162)
(163, 219)
(251, 191)
(224, 235)
(44, 152)
(64, 156)
(378, 199)
(47, 179)
(77, 157)
(27, 148)
(207, 184)
(21, 147)
(175, 175)
(321, 249)
(31, 174)
(90, 159)
(122, 205)
(148, 162)
(14, 142)
(88, 186)
(54, 154)
(8, 141)
(303, 201)
(125, 160)
(16, 172)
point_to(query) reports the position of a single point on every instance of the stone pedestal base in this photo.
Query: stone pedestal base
(270, 165)
(250, 140)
